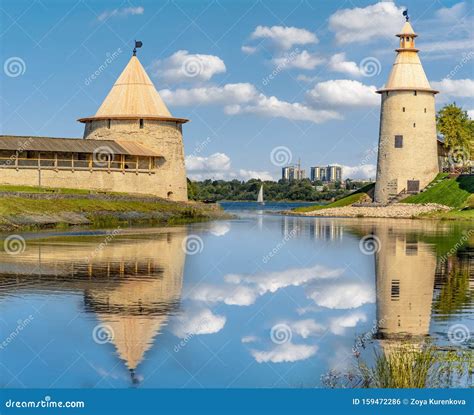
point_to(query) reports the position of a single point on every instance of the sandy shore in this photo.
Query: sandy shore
(399, 210)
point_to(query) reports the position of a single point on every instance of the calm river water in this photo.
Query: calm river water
(261, 300)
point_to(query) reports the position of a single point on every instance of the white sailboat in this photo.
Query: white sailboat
(260, 196)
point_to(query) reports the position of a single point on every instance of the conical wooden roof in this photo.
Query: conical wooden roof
(133, 96)
(407, 29)
(407, 72)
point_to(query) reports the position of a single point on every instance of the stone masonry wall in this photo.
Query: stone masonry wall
(418, 158)
(164, 137)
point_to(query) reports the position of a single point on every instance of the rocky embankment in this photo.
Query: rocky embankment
(399, 210)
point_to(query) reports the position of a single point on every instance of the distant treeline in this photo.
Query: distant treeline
(215, 190)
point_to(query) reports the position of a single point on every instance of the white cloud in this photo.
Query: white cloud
(219, 228)
(227, 294)
(249, 339)
(338, 63)
(342, 294)
(244, 98)
(287, 352)
(183, 66)
(214, 163)
(344, 92)
(446, 46)
(302, 60)
(455, 87)
(306, 328)
(453, 13)
(126, 11)
(195, 322)
(338, 325)
(253, 174)
(470, 114)
(362, 25)
(273, 281)
(362, 171)
(249, 50)
(273, 107)
(217, 166)
(228, 94)
(284, 37)
(306, 78)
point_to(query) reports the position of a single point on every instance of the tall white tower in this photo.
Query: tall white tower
(407, 157)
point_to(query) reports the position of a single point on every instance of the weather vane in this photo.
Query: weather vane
(138, 44)
(405, 13)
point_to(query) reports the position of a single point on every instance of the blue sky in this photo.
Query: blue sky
(253, 77)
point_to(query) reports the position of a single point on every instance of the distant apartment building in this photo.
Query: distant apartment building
(292, 173)
(327, 174)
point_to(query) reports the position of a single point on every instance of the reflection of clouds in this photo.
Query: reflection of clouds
(243, 290)
(273, 281)
(338, 325)
(228, 294)
(287, 352)
(307, 328)
(193, 322)
(219, 228)
(342, 294)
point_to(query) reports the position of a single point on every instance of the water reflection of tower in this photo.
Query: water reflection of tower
(131, 284)
(327, 230)
(405, 269)
(291, 226)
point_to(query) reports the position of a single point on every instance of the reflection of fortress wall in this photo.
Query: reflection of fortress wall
(130, 284)
(405, 272)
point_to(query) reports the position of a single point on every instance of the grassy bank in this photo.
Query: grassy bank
(32, 207)
(356, 197)
(457, 193)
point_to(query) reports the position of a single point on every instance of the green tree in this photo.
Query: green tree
(457, 129)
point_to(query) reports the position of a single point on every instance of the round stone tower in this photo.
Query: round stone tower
(408, 155)
(134, 112)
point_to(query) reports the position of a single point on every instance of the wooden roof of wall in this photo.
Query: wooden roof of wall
(72, 145)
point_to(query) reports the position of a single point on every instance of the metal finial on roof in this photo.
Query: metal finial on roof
(138, 44)
(405, 13)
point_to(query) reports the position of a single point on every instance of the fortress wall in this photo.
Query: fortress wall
(115, 181)
(418, 158)
(164, 137)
